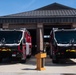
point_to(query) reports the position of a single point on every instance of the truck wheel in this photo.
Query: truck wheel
(0, 59)
(29, 56)
(23, 61)
(54, 59)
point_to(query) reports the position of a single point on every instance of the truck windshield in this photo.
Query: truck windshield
(65, 37)
(10, 37)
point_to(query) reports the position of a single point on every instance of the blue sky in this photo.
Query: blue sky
(16, 6)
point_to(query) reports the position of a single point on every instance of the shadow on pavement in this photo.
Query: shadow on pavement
(68, 74)
(6, 61)
(68, 62)
(28, 69)
(48, 62)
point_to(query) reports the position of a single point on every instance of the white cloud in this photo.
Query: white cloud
(29, 4)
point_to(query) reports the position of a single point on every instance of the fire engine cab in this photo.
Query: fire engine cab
(62, 44)
(15, 43)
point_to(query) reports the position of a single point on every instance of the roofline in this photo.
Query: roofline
(38, 20)
(58, 4)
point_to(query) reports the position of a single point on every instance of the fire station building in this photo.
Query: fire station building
(40, 22)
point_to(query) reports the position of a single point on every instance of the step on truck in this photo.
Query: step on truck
(62, 44)
(15, 44)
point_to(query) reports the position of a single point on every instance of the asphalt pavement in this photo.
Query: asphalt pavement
(29, 68)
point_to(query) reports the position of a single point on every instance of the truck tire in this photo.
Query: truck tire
(54, 59)
(23, 61)
(29, 56)
(0, 59)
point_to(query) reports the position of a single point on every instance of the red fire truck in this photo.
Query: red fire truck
(62, 44)
(15, 43)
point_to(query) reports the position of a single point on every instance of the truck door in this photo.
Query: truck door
(28, 44)
(24, 48)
